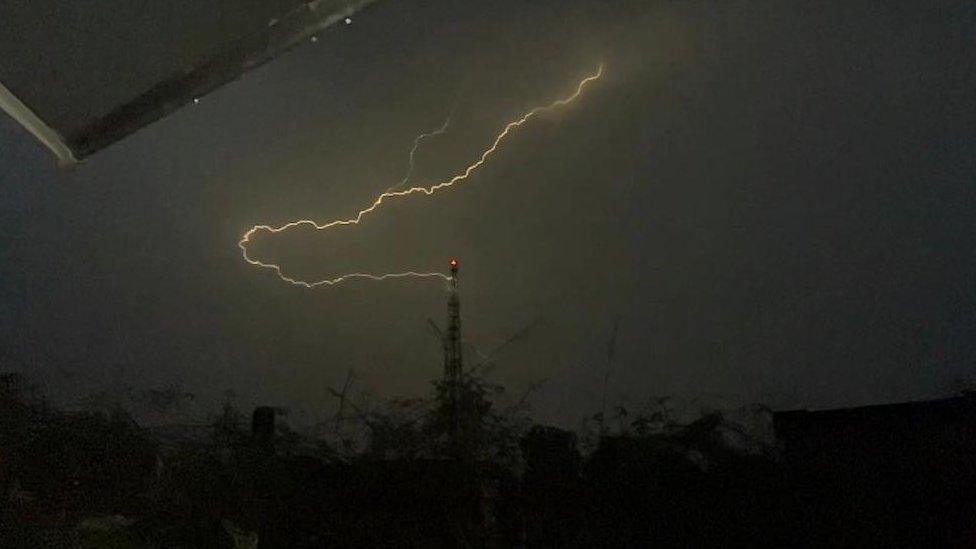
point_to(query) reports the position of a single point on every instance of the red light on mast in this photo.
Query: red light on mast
(454, 264)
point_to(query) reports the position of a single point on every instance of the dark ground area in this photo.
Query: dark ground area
(896, 475)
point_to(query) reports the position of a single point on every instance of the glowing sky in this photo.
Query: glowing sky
(775, 198)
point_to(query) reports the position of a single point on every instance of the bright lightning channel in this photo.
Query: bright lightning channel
(393, 193)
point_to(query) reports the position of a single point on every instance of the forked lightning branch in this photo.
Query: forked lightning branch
(394, 194)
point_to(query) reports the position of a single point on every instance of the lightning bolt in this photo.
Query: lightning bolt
(416, 144)
(396, 194)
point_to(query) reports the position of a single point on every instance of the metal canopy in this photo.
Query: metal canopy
(81, 75)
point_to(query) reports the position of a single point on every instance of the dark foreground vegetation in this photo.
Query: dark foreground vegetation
(457, 471)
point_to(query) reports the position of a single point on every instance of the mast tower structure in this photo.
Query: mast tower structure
(453, 354)
(452, 339)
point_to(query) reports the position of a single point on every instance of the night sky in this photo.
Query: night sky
(777, 200)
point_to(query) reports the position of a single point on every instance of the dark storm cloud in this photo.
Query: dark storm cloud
(774, 198)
